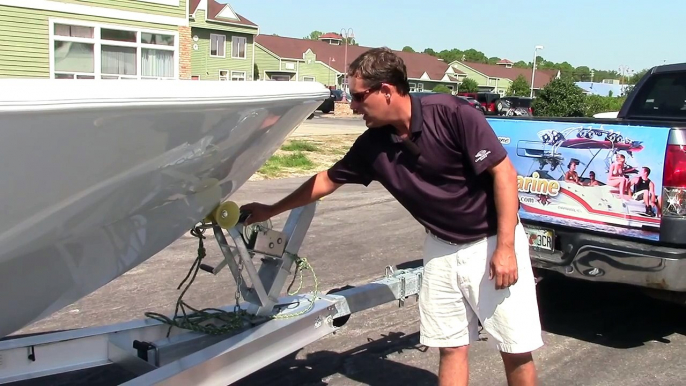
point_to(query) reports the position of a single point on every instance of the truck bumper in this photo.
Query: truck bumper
(609, 259)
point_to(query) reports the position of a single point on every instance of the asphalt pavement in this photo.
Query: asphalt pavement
(594, 334)
(326, 124)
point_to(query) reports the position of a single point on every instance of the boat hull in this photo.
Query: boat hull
(100, 176)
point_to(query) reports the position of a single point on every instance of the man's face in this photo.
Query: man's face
(368, 101)
(644, 174)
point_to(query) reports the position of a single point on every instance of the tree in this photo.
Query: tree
(314, 35)
(600, 104)
(560, 98)
(468, 85)
(519, 87)
(441, 88)
(408, 49)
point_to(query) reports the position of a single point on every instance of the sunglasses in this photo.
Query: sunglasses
(362, 95)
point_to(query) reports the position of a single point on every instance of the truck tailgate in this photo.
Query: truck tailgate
(565, 180)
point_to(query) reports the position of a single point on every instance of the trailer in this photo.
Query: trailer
(215, 346)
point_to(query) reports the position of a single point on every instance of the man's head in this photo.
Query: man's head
(645, 172)
(592, 175)
(378, 82)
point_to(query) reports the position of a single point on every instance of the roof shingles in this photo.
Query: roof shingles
(334, 55)
(543, 77)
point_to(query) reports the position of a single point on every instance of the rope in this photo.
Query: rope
(232, 321)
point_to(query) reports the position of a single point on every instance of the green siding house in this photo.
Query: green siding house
(498, 77)
(324, 61)
(103, 39)
(222, 42)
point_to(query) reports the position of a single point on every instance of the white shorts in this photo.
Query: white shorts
(456, 293)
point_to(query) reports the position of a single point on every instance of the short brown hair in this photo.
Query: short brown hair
(381, 65)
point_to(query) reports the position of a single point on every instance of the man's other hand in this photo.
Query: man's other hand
(503, 267)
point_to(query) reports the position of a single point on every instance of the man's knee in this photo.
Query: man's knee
(453, 351)
(518, 359)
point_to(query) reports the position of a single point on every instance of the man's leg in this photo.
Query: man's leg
(519, 368)
(453, 369)
(510, 316)
(446, 321)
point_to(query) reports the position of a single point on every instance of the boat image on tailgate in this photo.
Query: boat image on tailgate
(604, 199)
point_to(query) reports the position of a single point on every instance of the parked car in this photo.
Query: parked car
(474, 103)
(489, 100)
(517, 103)
(328, 105)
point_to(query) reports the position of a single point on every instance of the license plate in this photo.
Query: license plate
(541, 239)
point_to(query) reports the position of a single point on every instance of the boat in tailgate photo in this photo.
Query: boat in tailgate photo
(591, 173)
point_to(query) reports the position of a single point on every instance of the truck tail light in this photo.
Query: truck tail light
(674, 182)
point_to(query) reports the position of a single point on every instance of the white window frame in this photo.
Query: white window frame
(276, 78)
(309, 79)
(225, 76)
(245, 50)
(420, 87)
(223, 55)
(245, 76)
(98, 43)
(173, 3)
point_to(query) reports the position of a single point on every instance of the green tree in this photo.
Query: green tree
(408, 49)
(441, 88)
(468, 85)
(314, 35)
(600, 104)
(560, 98)
(519, 87)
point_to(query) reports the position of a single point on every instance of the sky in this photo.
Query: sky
(602, 34)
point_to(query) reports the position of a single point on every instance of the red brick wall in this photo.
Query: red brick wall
(185, 49)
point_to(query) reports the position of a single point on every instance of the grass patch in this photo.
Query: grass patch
(305, 156)
(283, 163)
(299, 145)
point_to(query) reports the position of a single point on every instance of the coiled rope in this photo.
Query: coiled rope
(198, 320)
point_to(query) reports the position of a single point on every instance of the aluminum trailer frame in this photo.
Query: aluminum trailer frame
(158, 354)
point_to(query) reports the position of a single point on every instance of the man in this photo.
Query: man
(644, 190)
(441, 160)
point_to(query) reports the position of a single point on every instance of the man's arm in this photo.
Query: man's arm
(506, 201)
(316, 187)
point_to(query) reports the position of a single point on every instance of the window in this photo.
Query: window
(281, 78)
(223, 75)
(238, 47)
(237, 75)
(662, 96)
(413, 87)
(420, 87)
(308, 78)
(81, 51)
(217, 45)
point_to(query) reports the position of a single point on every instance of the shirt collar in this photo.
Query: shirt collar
(416, 120)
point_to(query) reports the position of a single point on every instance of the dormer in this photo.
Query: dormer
(332, 38)
(505, 63)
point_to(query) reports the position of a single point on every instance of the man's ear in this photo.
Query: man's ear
(386, 91)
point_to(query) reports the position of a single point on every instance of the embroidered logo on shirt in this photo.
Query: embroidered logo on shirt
(481, 155)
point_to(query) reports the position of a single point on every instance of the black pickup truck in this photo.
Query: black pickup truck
(605, 199)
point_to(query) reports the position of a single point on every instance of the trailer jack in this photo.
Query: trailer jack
(156, 351)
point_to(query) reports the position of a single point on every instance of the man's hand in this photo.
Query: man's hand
(503, 267)
(258, 212)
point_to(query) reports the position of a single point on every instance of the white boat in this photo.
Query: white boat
(98, 176)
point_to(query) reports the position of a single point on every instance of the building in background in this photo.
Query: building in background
(105, 39)
(498, 77)
(221, 42)
(324, 60)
